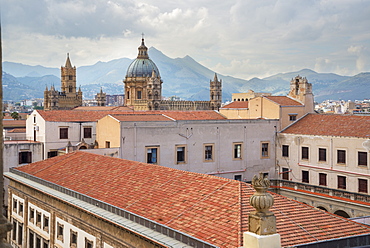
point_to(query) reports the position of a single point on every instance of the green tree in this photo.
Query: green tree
(15, 115)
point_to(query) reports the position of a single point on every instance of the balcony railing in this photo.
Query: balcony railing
(278, 183)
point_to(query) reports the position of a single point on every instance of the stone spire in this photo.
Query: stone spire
(68, 62)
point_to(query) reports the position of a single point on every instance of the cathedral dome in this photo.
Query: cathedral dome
(142, 66)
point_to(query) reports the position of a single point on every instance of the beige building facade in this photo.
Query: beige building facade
(326, 150)
(264, 106)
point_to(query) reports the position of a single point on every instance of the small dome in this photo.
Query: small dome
(142, 68)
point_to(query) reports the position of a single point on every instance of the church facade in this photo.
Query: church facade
(68, 97)
(143, 88)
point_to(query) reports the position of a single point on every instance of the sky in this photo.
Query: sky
(239, 38)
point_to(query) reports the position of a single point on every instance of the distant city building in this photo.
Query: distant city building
(69, 97)
(143, 88)
(287, 109)
(115, 100)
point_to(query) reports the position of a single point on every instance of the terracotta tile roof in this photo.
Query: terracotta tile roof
(207, 207)
(14, 123)
(17, 130)
(236, 104)
(85, 115)
(284, 100)
(331, 125)
(141, 117)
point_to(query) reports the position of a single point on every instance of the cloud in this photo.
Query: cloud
(240, 37)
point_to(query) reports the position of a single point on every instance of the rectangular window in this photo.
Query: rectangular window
(342, 182)
(45, 244)
(208, 152)
(88, 243)
(60, 232)
(322, 179)
(237, 151)
(107, 144)
(20, 234)
(152, 155)
(38, 241)
(20, 210)
(285, 173)
(305, 153)
(73, 239)
(285, 151)
(46, 224)
(25, 157)
(341, 156)
(292, 117)
(305, 177)
(15, 206)
(52, 154)
(264, 150)
(362, 158)
(63, 133)
(362, 185)
(38, 219)
(180, 154)
(31, 215)
(238, 177)
(14, 231)
(322, 154)
(139, 95)
(31, 239)
(87, 132)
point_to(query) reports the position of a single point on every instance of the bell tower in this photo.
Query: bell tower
(68, 77)
(215, 93)
(301, 90)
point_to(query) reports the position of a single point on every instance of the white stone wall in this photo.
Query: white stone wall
(136, 137)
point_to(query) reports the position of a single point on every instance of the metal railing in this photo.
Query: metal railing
(160, 228)
(277, 183)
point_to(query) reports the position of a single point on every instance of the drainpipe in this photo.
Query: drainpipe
(135, 142)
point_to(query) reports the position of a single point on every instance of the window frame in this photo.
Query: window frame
(293, 117)
(363, 187)
(323, 179)
(305, 153)
(25, 157)
(341, 156)
(184, 161)
(60, 232)
(322, 155)
(362, 158)
(285, 151)
(237, 153)
(342, 182)
(87, 132)
(265, 151)
(147, 148)
(73, 238)
(206, 152)
(305, 176)
(285, 173)
(63, 132)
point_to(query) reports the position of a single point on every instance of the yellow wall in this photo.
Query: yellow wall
(108, 129)
(235, 113)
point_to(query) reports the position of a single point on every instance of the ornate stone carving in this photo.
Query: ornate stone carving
(261, 221)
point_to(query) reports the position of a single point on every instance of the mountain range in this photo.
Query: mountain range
(183, 77)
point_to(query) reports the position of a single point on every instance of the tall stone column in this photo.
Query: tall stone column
(262, 222)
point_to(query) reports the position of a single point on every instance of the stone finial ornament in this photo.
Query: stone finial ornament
(261, 221)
